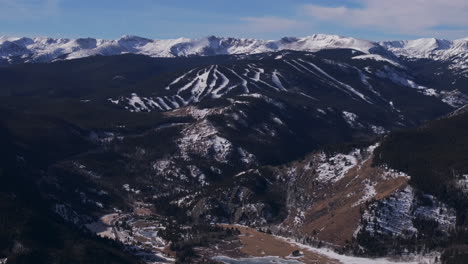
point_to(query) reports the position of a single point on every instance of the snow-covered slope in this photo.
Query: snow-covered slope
(419, 48)
(48, 49)
(454, 52)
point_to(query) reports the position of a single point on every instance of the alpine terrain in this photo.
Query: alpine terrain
(321, 149)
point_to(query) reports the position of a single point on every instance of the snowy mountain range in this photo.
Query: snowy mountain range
(49, 49)
(427, 47)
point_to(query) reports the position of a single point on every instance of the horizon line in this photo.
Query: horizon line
(219, 36)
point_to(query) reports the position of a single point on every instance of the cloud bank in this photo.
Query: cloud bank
(410, 17)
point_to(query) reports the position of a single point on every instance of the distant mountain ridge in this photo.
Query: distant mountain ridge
(426, 47)
(46, 49)
(15, 50)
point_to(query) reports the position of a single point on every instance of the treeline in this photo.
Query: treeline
(184, 240)
(434, 156)
(29, 231)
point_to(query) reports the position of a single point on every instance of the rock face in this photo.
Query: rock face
(399, 214)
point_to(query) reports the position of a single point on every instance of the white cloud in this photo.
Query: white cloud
(412, 17)
(270, 24)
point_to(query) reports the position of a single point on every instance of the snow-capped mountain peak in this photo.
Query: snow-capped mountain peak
(455, 52)
(43, 49)
(322, 41)
(48, 49)
(426, 47)
(429, 44)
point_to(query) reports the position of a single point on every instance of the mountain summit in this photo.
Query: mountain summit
(47, 49)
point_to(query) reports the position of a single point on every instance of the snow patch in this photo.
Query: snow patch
(351, 119)
(377, 57)
(333, 169)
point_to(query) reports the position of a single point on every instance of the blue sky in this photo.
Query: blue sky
(267, 19)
